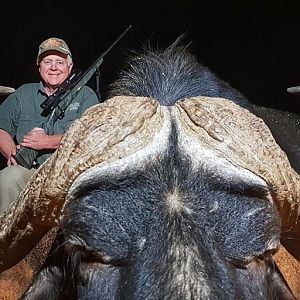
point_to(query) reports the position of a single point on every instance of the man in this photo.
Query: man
(21, 122)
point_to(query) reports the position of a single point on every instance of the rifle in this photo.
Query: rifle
(55, 105)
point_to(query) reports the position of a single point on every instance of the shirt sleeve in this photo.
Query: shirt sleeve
(9, 114)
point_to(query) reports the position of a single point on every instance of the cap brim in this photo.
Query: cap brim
(54, 50)
(50, 51)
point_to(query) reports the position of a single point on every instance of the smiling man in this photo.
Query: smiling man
(21, 120)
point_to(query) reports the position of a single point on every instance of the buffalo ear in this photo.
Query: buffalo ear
(294, 89)
(21, 275)
(289, 268)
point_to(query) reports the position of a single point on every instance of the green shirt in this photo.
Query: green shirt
(21, 112)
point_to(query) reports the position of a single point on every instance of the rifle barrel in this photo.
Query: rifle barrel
(83, 79)
(92, 69)
(117, 40)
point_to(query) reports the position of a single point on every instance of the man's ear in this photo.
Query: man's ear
(70, 67)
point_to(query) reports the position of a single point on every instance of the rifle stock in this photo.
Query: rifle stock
(26, 156)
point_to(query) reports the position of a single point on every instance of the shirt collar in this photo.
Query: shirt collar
(41, 89)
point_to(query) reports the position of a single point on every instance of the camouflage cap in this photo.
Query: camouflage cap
(55, 44)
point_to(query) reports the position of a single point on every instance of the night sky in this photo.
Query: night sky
(253, 45)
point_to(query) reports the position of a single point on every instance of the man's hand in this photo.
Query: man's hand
(35, 139)
(38, 139)
(11, 160)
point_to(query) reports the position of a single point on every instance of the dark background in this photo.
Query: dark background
(253, 45)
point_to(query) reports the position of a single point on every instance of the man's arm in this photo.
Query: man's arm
(38, 139)
(7, 147)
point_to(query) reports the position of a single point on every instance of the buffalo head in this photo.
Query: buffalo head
(170, 189)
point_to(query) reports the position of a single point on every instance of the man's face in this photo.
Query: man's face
(54, 69)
